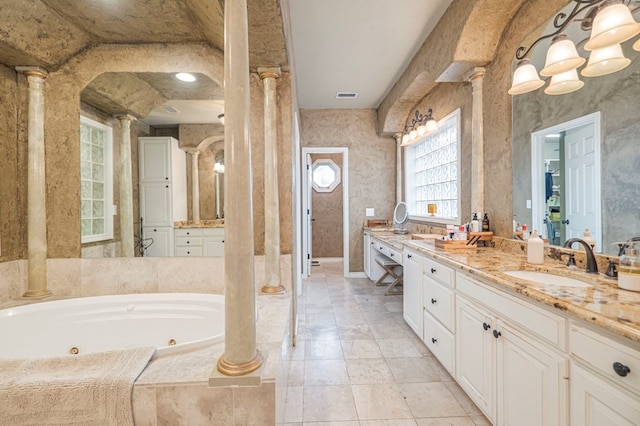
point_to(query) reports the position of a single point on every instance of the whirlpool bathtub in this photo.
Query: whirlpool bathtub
(173, 322)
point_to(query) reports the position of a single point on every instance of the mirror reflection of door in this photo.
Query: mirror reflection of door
(566, 189)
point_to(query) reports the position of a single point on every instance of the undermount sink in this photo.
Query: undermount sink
(548, 279)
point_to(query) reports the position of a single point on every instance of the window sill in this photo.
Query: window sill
(434, 219)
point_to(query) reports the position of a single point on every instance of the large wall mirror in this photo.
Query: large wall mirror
(549, 120)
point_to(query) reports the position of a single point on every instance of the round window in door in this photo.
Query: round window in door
(325, 175)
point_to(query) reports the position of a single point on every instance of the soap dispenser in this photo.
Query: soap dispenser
(535, 249)
(629, 269)
(589, 239)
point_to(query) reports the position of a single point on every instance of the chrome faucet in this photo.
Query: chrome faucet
(592, 265)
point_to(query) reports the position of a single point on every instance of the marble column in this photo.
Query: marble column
(195, 185)
(476, 76)
(126, 187)
(241, 355)
(398, 138)
(272, 282)
(36, 186)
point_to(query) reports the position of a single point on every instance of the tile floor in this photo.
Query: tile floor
(358, 363)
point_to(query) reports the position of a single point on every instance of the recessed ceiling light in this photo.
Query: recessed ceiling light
(346, 95)
(185, 76)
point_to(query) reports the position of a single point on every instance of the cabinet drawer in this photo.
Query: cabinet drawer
(536, 320)
(438, 272)
(187, 232)
(394, 255)
(439, 341)
(213, 232)
(188, 251)
(188, 241)
(439, 302)
(602, 353)
(380, 247)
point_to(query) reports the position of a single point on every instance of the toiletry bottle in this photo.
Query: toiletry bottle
(535, 249)
(629, 269)
(525, 233)
(475, 224)
(462, 234)
(589, 240)
(485, 223)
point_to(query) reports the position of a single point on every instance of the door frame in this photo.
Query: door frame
(306, 209)
(537, 171)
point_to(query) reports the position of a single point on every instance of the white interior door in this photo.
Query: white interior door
(580, 174)
(307, 237)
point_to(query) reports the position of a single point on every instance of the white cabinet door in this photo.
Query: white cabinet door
(367, 255)
(155, 159)
(475, 355)
(213, 246)
(162, 244)
(532, 389)
(155, 204)
(596, 402)
(412, 290)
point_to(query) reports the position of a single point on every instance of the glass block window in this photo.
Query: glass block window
(432, 184)
(96, 177)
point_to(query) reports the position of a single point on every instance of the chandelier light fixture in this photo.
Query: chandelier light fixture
(421, 125)
(610, 23)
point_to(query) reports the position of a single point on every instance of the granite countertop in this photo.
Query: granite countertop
(603, 304)
(199, 224)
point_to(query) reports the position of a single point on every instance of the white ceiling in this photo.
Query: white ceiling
(189, 112)
(358, 46)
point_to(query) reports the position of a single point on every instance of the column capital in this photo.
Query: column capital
(398, 138)
(125, 117)
(32, 71)
(269, 72)
(192, 151)
(475, 72)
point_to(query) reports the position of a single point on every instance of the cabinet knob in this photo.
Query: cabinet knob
(433, 270)
(223, 241)
(166, 186)
(434, 301)
(621, 369)
(409, 256)
(188, 252)
(391, 254)
(188, 233)
(496, 334)
(188, 242)
(155, 230)
(485, 326)
(166, 178)
(434, 340)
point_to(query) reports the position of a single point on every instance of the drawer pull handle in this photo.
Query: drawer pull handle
(409, 256)
(188, 252)
(496, 334)
(391, 254)
(621, 369)
(434, 340)
(433, 270)
(187, 242)
(485, 326)
(434, 301)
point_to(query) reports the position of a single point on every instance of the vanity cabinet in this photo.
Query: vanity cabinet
(506, 369)
(605, 380)
(367, 254)
(412, 290)
(207, 242)
(163, 191)
(438, 306)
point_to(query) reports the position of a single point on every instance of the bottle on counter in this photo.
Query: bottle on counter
(589, 240)
(525, 232)
(629, 269)
(485, 223)
(475, 224)
(535, 249)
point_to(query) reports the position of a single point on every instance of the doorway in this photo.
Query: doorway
(565, 173)
(325, 206)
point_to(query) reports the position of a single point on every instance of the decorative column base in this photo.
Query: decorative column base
(36, 294)
(229, 368)
(273, 290)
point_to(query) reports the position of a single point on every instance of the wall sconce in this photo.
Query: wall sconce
(610, 21)
(421, 125)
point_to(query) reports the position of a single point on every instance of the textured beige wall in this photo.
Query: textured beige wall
(371, 164)
(327, 214)
(12, 168)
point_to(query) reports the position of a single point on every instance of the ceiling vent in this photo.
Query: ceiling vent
(170, 109)
(346, 95)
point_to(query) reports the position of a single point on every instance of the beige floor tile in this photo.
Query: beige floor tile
(328, 403)
(463, 399)
(399, 348)
(355, 349)
(412, 370)
(325, 372)
(393, 422)
(323, 349)
(322, 332)
(446, 421)
(296, 373)
(320, 319)
(380, 402)
(388, 330)
(354, 423)
(369, 371)
(431, 400)
(354, 332)
(293, 404)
